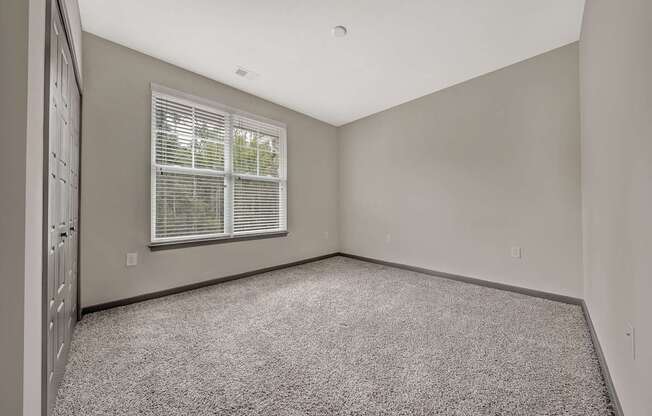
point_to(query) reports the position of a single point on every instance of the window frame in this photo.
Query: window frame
(228, 174)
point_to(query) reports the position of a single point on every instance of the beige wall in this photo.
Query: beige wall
(116, 176)
(22, 37)
(616, 106)
(460, 176)
(34, 212)
(13, 119)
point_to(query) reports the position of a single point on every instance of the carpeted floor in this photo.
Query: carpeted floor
(338, 336)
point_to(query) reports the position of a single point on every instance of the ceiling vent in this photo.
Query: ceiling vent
(246, 73)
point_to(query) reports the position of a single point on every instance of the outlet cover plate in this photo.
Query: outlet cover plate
(630, 331)
(516, 252)
(132, 259)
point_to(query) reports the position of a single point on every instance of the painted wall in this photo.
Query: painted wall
(34, 211)
(116, 181)
(453, 180)
(616, 107)
(22, 46)
(14, 15)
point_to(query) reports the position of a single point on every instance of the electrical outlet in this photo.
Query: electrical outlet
(630, 332)
(516, 252)
(388, 238)
(132, 259)
(326, 235)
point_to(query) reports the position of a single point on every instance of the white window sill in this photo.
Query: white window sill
(168, 245)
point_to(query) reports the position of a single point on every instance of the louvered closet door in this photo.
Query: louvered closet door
(62, 215)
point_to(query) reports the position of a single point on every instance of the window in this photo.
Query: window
(216, 172)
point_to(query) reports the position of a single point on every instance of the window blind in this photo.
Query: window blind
(257, 162)
(215, 172)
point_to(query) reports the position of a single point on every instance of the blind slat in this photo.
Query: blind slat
(253, 203)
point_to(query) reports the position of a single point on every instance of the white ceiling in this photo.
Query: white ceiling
(395, 51)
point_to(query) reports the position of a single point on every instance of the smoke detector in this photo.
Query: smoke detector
(246, 73)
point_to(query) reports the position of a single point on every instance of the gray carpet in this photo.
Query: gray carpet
(339, 337)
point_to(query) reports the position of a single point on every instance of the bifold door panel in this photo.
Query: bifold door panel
(62, 208)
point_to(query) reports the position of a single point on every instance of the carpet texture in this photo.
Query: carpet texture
(335, 337)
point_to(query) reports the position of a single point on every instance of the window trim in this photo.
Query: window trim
(229, 177)
(167, 245)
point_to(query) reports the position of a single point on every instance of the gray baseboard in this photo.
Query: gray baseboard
(159, 294)
(615, 403)
(472, 280)
(606, 375)
(613, 396)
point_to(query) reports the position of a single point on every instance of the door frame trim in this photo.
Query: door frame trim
(45, 216)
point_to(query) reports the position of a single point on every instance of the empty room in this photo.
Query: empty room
(311, 208)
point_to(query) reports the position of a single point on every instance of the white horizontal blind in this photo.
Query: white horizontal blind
(215, 173)
(259, 186)
(189, 204)
(189, 169)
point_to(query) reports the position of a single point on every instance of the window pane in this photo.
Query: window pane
(256, 205)
(189, 205)
(209, 155)
(210, 126)
(268, 143)
(173, 117)
(255, 153)
(173, 150)
(245, 149)
(268, 163)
